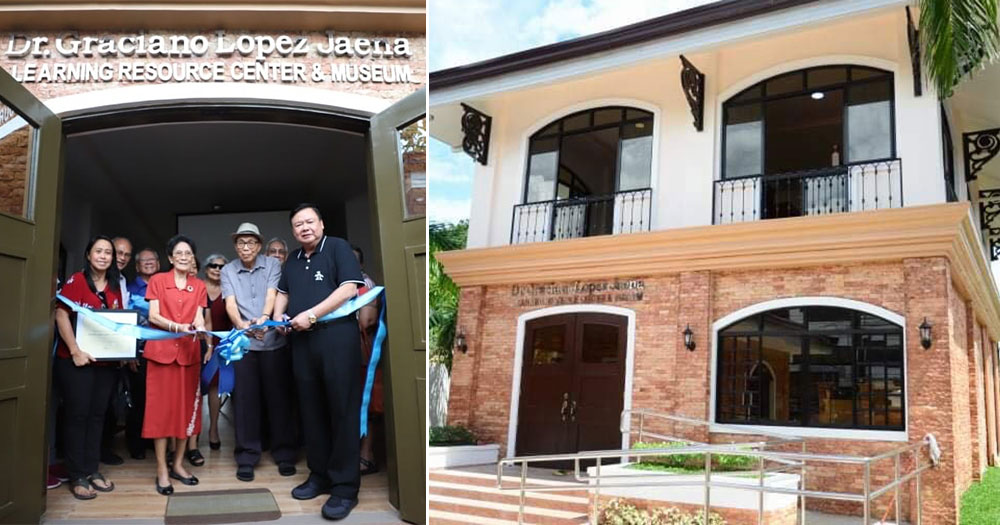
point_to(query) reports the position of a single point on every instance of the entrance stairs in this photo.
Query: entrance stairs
(466, 495)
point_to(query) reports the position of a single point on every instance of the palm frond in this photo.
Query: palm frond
(957, 37)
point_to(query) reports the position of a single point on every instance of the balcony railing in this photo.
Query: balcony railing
(858, 186)
(622, 212)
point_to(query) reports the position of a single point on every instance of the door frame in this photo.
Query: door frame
(522, 321)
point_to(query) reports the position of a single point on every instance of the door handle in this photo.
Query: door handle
(565, 405)
(572, 411)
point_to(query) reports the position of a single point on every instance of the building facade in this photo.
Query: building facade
(738, 214)
(145, 119)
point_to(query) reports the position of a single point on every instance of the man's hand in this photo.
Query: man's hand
(301, 322)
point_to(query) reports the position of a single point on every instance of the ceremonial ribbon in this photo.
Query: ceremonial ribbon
(234, 344)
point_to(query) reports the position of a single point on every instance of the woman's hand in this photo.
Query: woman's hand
(208, 356)
(81, 358)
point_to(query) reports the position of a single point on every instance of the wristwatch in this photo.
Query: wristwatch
(312, 317)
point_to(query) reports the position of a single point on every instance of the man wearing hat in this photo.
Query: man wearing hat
(264, 375)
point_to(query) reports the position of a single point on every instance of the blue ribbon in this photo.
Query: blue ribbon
(139, 303)
(234, 344)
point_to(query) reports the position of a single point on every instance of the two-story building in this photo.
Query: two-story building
(743, 213)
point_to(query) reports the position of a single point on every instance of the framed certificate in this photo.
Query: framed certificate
(104, 344)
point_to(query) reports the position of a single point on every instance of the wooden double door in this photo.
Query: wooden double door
(572, 384)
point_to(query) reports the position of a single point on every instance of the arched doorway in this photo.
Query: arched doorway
(572, 388)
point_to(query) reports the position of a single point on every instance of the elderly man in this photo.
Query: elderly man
(318, 278)
(147, 264)
(278, 249)
(264, 375)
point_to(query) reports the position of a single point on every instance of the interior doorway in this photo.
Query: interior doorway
(147, 175)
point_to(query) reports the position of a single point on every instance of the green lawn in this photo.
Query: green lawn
(981, 503)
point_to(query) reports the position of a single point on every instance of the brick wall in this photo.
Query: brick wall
(942, 393)
(14, 154)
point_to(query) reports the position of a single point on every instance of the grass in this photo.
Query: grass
(981, 502)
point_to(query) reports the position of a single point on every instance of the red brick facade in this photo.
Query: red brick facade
(951, 387)
(14, 155)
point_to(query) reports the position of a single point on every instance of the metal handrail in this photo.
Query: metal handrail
(789, 461)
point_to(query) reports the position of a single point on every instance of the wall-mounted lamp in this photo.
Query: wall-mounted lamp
(460, 344)
(689, 338)
(925, 334)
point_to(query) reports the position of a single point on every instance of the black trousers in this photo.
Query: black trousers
(326, 362)
(85, 391)
(133, 422)
(264, 379)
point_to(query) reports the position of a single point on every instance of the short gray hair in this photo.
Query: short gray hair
(213, 257)
(274, 240)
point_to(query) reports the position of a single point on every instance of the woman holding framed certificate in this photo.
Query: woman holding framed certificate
(177, 301)
(84, 382)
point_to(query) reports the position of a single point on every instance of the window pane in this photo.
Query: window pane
(413, 148)
(744, 136)
(861, 73)
(869, 131)
(551, 129)
(789, 83)
(825, 76)
(549, 346)
(637, 113)
(542, 169)
(600, 343)
(823, 318)
(579, 121)
(607, 116)
(17, 139)
(737, 357)
(785, 320)
(869, 92)
(747, 324)
(636, 155)
(749, 94)
(778, 401)
(830, 391)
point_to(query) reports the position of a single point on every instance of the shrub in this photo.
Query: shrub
(451, 435)
(620, 512)
(691, 462)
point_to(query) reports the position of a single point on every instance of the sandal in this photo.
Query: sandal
(81, 483)
(368, 467)
(97, 476)
(195, 458)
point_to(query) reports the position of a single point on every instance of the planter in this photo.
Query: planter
(462, 455)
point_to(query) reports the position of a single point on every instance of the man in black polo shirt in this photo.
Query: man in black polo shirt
(318, 278)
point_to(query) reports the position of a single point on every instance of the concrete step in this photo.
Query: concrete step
(546, 500)
(483, 479)
(440, 517)
(475, 510)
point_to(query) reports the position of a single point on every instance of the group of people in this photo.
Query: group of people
(310, 369)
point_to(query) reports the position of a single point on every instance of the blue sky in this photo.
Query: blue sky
(465, 31)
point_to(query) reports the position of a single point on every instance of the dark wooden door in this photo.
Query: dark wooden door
(572, 384)
(30, 172)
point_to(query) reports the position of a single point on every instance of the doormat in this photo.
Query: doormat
(221, 506)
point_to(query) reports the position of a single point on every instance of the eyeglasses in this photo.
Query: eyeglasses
(213, 266)
(246, 244)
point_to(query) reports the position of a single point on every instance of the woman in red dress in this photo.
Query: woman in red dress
(173, 391)
(84, 383)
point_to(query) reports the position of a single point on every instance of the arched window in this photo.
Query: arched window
(811, 366)
(813, 141)
(588, 174)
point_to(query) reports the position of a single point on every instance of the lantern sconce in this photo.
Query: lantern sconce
(460, 344)
(689, 338)
(925, 334)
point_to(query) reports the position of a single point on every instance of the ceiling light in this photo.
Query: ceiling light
(640, 125)
(818, 95)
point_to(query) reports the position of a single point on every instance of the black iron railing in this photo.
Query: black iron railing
(857, 186)
(622, 212)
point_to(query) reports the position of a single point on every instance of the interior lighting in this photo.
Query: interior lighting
(817, 95)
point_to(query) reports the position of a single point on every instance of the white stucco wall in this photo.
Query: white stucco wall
(686, 162)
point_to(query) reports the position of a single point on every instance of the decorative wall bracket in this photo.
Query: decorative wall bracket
(476, 134)
(978, 147)
(693, 84)
(989, 211)
(913, 36)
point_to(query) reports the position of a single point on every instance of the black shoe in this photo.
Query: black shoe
(166, 491)
(137, 455)
(110, 458)
(337, 508)
(187, 481)
(310, 489)
(215, 445)
(286, 468)
(244, 473)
